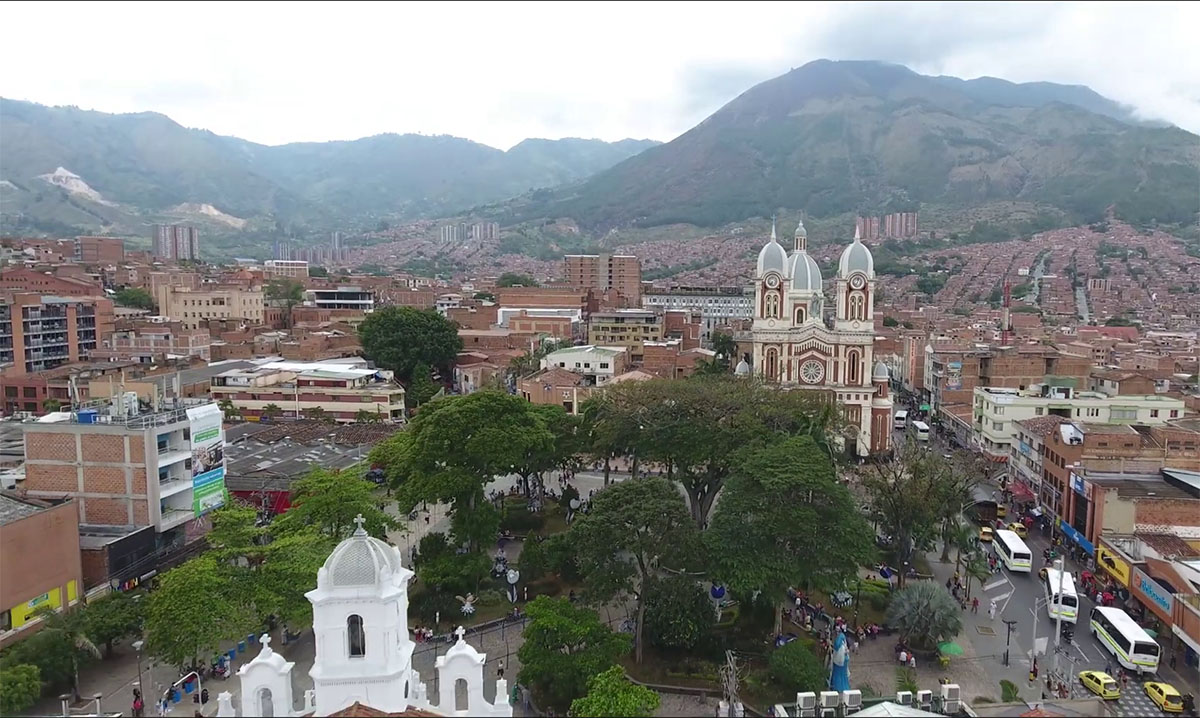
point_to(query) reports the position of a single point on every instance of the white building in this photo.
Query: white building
(793, 346)
(342, 297)
(292, 268)
(717, 305)
(602, 363)
(997, 410)
(363, 649)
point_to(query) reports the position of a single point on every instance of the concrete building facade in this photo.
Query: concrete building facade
(39, 562)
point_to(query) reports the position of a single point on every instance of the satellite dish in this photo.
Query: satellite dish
(575, 503)
(513, 576)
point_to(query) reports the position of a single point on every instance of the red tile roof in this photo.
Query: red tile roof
(358, 710)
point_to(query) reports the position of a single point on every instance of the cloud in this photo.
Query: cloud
(498, 73)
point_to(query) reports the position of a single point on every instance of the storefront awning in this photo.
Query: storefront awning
(924, 407)
(1021, 491)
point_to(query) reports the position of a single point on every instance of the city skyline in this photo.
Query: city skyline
(481, 80)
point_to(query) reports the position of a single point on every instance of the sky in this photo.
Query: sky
(499, 72)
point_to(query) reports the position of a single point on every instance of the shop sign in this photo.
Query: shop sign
(1112, 564)
(1077, 537)
(1153, 595)
(1078, 485)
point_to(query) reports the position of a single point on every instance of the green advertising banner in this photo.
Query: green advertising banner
(208, 459)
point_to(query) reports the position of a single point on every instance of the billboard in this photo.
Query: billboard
(208, 458)
(954, 375)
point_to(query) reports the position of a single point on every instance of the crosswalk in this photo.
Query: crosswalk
(1136, 704)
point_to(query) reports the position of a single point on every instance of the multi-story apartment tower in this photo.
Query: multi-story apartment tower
(621, 272)
(42, 331)
(176, 242)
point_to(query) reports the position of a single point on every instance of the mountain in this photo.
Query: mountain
(64, 168)
(839, 137)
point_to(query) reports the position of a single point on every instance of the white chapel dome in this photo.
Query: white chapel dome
(856, 258)
(881, 371)
(806, 275)
(772, 258)
(360, 559)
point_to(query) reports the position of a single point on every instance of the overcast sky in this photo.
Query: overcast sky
(500, 72)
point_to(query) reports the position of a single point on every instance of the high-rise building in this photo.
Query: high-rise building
(177, 242)
(621, 272)
(42, 331)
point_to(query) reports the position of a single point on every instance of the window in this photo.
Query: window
(799, 315)
(1093, 411)
(1123, 413)
(1039, 411)
(1000, 410)
(857, 306)
(29, 392)
(1174, 413)
(1154, 413)
(772, 306)
(6, 621)
(357, 639)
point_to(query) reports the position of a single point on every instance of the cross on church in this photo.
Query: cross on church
(460, 632)
(359, 520)
(265, 640)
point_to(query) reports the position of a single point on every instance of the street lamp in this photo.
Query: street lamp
(1009, 622)
(137, 646)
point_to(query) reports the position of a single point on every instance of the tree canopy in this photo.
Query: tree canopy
(329, 501)
(565, 645)
(400, 338)
(925, 614)
(612, 694)
(784, 520)
(134, 297)
(633, 528)
(512, 279)
(193, 610)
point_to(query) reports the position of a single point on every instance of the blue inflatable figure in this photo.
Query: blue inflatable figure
(839, 677)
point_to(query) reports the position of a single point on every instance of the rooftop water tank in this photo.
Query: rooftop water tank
(87, 416)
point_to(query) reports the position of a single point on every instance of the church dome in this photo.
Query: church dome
(359, 560)
(806, 275)
(856, 258)
(881, 371)
(772, 257)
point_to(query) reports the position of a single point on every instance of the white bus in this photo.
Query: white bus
(922, 430)
(1013, 551)
(900, 419)
(1066, 603)
(1128, 642)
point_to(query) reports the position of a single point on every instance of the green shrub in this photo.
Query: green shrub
(678, 614)
(427, 604)
(20, 687)
(519, 520)
(796, 667)
(491, 597)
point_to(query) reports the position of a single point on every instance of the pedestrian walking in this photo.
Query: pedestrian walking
(992, 610)
(975, 605)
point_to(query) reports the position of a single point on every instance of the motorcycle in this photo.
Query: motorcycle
(1068, 633)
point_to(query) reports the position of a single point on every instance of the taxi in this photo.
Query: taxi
(1164, 696)
(1101, 684)
(1019, 529)
(985, 534)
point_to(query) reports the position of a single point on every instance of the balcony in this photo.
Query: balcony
(172, 517)
(174, 484)
(168, 456)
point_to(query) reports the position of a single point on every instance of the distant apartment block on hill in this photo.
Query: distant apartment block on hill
(176, 242)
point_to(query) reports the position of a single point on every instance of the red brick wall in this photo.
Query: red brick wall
(98, 447)
(107, 512)
(1167, 512)
(103, 479)
(49, 447)
(43, 477)
(95, 567)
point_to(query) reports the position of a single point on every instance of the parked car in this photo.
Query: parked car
(1101, 684)
(1164, 696)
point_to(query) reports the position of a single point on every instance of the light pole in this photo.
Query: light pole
(1009, 622)
(1057, 601)
(137, 646)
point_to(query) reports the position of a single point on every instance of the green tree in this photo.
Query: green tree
(925, 614)
(135, 298)
(111, 617)
(318, 272)
(20, 687)
(459, 444)
(784, 520)
(512, 279)
(534, 561)
(316, 413)
(485, 296)
(228, 409)
(391, 455)
(1009, 692)
(286, 293)
(444, 570)
(796, 667)
(890, 321)
(68, 630)
(906, 680)
(564, 646)
(679, 615)
(400, 338)
(272, 411)
(362, 416)
(193, 610)
(633, 527)
(51, 405)
(612, 694)
(328, 502)
(421, 387)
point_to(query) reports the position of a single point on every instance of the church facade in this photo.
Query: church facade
(364, 651)
(795, 345)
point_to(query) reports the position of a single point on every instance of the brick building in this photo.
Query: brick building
(24, 279)
(556, 387)
(39, 562)
(42, 331)
(600, 272)
(99, 250)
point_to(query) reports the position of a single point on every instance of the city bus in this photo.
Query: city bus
(921, 429)
(1128, 642)
(1066, 603)
(900, 419)
(1013, 551)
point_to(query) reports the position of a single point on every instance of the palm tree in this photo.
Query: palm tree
(227, 407)
(69, 629)
(978, 570)
(906, 680)
(51, 404)
(317, 413)
(925, 614)
(366, 417)
(270, 411)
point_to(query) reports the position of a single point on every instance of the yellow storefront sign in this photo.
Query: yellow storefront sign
(1113, 565)
(24, 612)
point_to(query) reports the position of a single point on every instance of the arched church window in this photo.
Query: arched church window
(358, 639)
(266, 703)
(772, 364)
(772, 306)
(799, 315)
(853, 373)
(857, 307)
